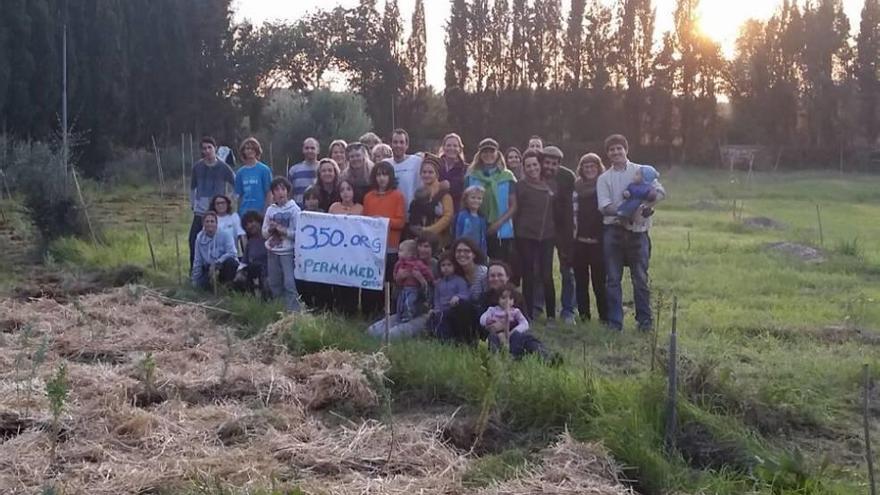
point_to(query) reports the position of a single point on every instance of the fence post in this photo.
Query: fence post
(819, 220)
(387, 312)
(671, 412)
(866, 414)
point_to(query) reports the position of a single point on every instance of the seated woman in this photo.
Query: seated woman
(463, 318)
(215, 255)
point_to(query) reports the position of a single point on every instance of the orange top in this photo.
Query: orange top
(390, 205)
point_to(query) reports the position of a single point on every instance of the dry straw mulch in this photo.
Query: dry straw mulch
(219, 409)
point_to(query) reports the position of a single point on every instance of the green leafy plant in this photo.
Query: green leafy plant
(57, 389)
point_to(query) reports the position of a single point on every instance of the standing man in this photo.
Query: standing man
(209, 178)
(407, 168)
(625, 242)
(303, 174)
(561, 181)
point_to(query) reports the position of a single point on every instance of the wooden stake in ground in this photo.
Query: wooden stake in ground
(82, 203)
(150, 245)
(183, 167)
(161, 185)
(177, 249)
(689, 241)
(866, 414)
(387, 312)
(671, 413)
(819, 220)
(655, 337)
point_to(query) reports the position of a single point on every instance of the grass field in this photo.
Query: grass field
(772, 346)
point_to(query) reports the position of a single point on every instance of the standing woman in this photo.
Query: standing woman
(452, 167)
(345, 299)
(514, 161)
(337, 153)
(358, 171)
(328, 182)
(228, 221)
(432, 209)
(384, 200)
(499, 202)
(589, 259)
(535, 234)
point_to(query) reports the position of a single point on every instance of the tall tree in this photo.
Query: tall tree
(868, 69)
(598, 46)
(553, 42)
(415, 51)
(456, 46)
(825, 58)
(393, 29)
(498, 45)
(635, 39)
(537, 68)
(573, 52)
(516, 60)
(478, 44)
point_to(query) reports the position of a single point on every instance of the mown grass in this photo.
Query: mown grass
(772, 346)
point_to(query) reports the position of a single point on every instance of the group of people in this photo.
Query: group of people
(463, 236)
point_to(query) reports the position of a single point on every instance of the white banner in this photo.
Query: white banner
(344, 250)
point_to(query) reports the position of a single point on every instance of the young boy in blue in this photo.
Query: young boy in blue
(253, 179)
(639, 191)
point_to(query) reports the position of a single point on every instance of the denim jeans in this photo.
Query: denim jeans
(566, 273)
(407, 300)
(624, 247)
(281, 281)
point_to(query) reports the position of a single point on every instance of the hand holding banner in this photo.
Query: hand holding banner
(344, 250)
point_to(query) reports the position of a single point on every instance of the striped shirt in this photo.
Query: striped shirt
(301, 177)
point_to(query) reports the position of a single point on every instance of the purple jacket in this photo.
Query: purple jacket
(446, 287)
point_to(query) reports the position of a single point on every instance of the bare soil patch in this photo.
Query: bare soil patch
(807, 254)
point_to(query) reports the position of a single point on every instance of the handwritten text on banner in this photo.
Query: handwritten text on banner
(344, 250)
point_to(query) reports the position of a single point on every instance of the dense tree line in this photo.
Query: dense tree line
(514, 68)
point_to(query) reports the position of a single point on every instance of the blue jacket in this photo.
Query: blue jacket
(472, 226)
(211, 250)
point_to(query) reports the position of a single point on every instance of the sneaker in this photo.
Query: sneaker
(646, 328)
(569, 320)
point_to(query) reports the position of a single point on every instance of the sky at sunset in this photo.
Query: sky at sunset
(720, 19)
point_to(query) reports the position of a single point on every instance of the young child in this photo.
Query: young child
(279, 230)
(508, 327)
(314, 294)
(311, 199)
(470, 222)
(411, 276)
(641, 190)
(251, 274)
(450, 288)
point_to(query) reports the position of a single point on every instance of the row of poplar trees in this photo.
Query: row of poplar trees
(798, 80)
(144, 68)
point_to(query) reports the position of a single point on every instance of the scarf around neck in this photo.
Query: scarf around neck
(490, 181)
